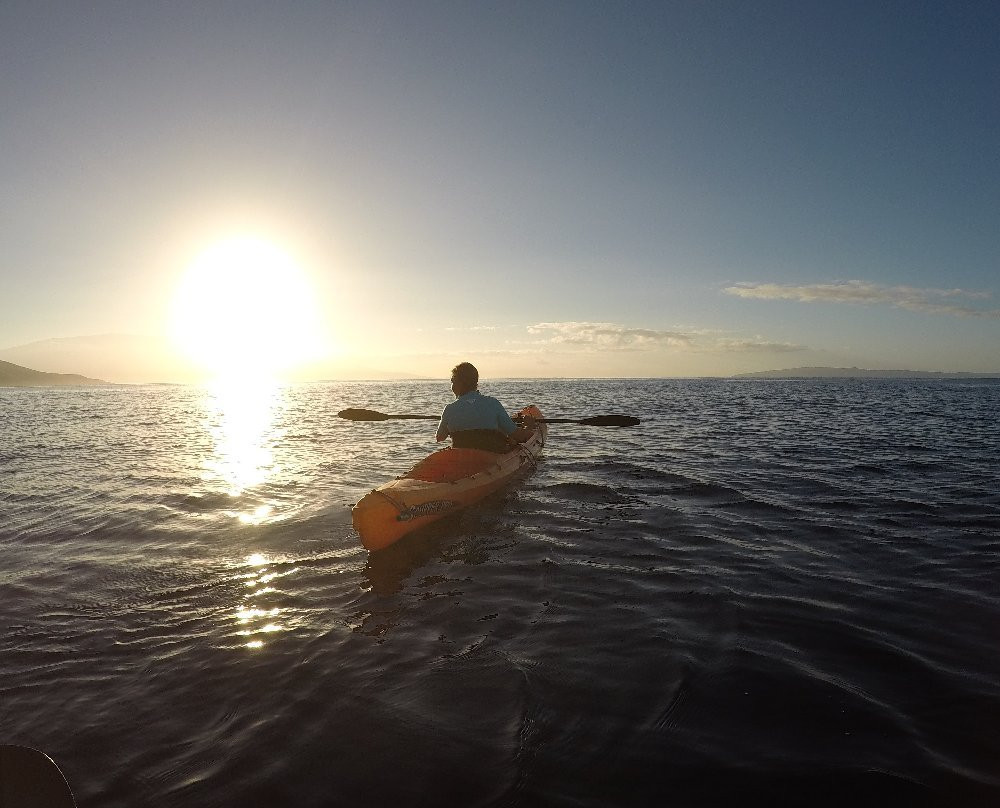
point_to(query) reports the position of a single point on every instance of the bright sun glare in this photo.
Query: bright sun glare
(245, 307)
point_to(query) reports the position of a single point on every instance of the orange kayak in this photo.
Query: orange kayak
(443, 482)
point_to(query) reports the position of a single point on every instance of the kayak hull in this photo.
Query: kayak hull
(442, 483)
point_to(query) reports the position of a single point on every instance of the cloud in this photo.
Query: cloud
(614, 337)
(609, 336)
(928, 301)
(756, 345)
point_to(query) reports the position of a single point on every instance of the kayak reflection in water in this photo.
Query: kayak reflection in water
(475, 421)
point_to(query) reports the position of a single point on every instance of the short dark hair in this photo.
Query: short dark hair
(465, 374)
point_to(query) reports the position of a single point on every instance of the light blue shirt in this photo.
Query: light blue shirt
(473, 410)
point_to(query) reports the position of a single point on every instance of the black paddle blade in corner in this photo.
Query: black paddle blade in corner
(29, 779)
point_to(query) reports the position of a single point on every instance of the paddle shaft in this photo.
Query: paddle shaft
(597, 420)
(355, 414)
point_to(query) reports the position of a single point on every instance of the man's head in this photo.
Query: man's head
(464, 378)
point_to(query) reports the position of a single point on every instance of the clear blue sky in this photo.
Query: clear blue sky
(546, 188)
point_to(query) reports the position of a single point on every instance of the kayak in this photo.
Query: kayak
(442, 483)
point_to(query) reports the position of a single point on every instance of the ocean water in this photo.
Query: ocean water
(780, 591)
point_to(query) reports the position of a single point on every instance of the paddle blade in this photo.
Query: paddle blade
(610, 420)
(353, 414)
(597, 420)
(29, 779)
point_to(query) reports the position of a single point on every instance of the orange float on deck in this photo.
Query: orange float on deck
(443, 482)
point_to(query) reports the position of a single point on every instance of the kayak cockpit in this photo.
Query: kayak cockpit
(449, 465)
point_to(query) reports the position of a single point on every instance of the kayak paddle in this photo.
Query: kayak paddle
(371, 415)
(597, 420)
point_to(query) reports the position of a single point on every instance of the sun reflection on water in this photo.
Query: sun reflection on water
(257, 515)
(241, 417)
(252, 619)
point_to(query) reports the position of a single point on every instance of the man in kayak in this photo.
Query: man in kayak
(475, 421)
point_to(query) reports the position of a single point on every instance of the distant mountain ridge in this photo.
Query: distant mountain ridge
(146, 359)
(12, 375)
(861, 373)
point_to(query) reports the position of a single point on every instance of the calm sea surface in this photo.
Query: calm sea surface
(770, 590)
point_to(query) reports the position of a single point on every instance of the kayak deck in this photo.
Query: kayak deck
(449, 465)
(443, 482)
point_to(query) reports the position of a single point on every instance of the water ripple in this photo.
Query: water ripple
(768, 591)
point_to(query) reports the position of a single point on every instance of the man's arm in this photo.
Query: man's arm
(442, 433)
(524, 431)
(518, 433)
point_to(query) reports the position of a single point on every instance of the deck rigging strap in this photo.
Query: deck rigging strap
(395, 504)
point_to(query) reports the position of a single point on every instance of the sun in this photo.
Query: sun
(245, 307)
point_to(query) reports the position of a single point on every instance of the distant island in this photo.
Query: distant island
(860, 373)
(12, 375)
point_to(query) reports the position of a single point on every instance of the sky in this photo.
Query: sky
(543, 188)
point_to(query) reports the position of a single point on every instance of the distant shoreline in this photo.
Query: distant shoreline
(861, 373)
(12, 375)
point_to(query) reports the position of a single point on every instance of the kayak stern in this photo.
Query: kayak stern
(442, 483)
